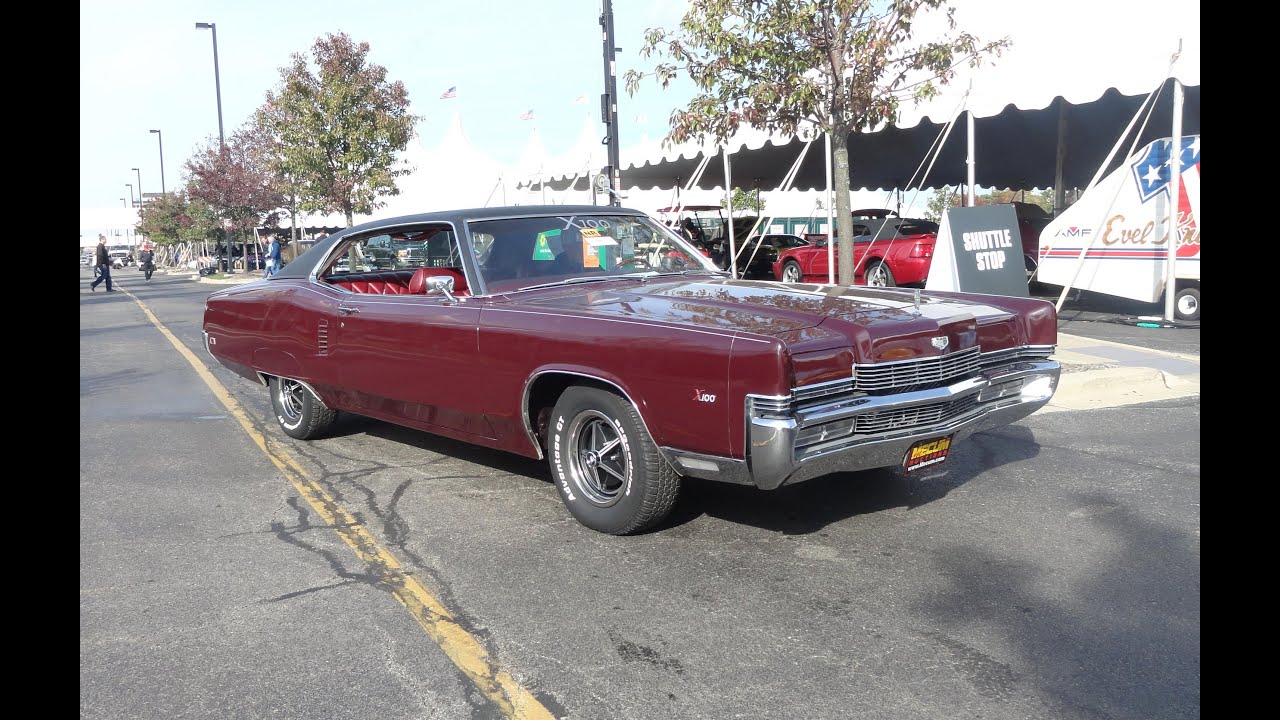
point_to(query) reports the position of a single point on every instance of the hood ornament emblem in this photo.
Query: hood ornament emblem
(939, 342)
(916, 298)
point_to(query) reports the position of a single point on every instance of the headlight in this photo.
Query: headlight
(1040, 388)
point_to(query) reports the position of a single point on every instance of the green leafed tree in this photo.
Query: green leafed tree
(337, 130)
(840, 66)
(746, 201)
(161, 220)
(949, 197)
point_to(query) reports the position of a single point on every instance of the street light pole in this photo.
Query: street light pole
(130, 186)
(159, 139)
(124, 202)
(217, 84)
(139, 172)
(217, 80)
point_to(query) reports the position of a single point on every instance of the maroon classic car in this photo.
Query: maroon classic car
(598, 339)
(888, 251)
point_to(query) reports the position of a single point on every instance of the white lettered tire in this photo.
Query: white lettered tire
(299, 413)
(605, 465)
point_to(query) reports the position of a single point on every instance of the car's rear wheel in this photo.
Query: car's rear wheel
(879, 275)
(300, 414)
(791, 272)
(605, 465)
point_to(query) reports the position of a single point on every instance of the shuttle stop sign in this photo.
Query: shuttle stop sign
(979, 250)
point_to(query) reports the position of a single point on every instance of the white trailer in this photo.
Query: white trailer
(1115, 239)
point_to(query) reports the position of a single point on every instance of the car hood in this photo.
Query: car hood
(806, 317)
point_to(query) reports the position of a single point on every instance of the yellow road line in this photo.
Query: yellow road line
(462, 648)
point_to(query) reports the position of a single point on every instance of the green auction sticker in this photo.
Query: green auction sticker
(541, 250)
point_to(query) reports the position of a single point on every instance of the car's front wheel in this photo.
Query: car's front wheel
(791, 271)
(300, 414)
(605, 465)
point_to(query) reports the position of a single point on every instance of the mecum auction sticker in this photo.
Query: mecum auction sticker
(926, 453)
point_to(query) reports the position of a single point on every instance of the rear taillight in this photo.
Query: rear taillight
(922, 250)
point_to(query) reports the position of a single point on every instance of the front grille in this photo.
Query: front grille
(883, 380)
(913, 417)
(903, 375)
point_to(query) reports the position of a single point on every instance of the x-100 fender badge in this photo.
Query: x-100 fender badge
(703, 396)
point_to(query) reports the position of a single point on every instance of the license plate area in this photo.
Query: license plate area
(926, 454)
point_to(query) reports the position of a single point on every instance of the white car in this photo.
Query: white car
(120, 258)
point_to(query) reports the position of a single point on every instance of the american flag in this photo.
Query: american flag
(450, 93)
(526, 115)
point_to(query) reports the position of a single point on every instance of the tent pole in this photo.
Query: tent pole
(1175, 205)
(831, 236)
(1059, 159)
(971, 161)
(728, 202)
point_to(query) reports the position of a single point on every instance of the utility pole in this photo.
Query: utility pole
(609, 103)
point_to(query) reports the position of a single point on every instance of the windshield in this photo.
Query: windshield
(519, 253)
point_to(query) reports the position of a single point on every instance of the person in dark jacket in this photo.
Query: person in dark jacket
(103, 261)
(148, 261)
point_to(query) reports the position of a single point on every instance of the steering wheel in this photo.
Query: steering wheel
(639, 261)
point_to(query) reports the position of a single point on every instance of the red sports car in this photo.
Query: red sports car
(887, 251)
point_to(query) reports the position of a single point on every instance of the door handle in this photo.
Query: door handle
(344, 310)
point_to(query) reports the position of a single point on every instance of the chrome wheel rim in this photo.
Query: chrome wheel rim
(876, 277)
(598, 463)
(290, 396)
(791, 273)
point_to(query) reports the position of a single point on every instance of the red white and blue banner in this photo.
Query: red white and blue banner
(1123, 224)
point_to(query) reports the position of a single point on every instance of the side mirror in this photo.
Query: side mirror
(440, 285)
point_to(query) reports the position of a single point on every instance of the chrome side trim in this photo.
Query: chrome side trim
(265, 379)
(528, 426)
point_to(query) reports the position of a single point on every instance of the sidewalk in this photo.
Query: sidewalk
(1100, 373)
(1095, 373)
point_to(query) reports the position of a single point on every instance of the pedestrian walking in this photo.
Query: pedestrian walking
(103, 262)
(148, 261)
(273, 257)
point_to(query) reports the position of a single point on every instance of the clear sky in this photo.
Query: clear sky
(144, 66)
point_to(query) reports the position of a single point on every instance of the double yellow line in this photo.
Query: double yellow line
(459, 645)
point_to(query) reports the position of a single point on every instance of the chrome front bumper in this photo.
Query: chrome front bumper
(800, 444)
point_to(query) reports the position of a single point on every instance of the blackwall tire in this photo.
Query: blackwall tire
(879, 275)
(605, 465)
(299, 413)
(791, 272)
(1186, 304)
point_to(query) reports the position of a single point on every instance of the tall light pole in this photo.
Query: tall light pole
(124, 202)
(609, 102)
(139, 172)
(130, 186)
(217, 84)
(159, 139)
(217, 81)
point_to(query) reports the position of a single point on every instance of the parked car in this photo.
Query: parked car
(1032, 220)
(756, 256)
(120, 258)
(887, 251)
(598, 339)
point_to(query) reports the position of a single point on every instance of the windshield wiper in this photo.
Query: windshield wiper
(574, 281)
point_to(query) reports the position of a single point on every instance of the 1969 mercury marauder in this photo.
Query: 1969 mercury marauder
(598, 339)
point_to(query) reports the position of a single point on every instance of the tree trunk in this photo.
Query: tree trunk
(843, 211)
